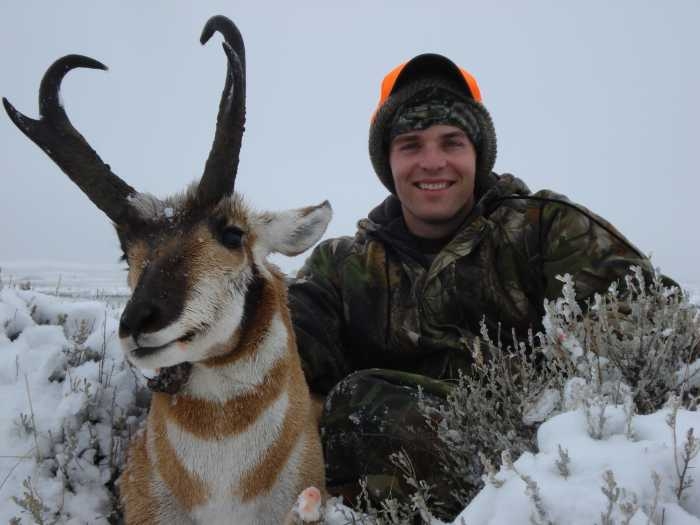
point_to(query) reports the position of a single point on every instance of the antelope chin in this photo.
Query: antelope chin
(171, 379)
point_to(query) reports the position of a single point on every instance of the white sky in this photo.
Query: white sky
(596, 100)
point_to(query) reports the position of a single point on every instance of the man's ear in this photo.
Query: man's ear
(292, 232)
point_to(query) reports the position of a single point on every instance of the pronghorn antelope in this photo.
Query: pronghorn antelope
(230, 437)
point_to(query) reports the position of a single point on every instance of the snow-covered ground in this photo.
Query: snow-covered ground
(69, 404)
(68, 407)
(636, 458)
(105, 282)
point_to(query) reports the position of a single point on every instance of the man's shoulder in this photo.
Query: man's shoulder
(344, 259)
(559, 216)
(522, 201)
(552, 203)
(544, 209)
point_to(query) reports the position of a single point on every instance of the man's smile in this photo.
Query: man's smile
(434, 185)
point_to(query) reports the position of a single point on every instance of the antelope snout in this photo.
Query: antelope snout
(140, 317)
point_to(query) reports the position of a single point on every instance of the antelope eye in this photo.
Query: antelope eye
(232, 237)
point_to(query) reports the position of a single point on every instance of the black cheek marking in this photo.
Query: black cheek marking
(253, 297)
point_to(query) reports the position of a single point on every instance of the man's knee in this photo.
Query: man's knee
(368, 416)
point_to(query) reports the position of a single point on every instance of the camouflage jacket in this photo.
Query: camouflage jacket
(374, 301)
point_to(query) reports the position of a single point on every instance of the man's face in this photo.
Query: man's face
(434, 171)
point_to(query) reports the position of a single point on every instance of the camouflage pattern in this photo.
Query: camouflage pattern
(372, 414)
(434, 106)
(375, 301)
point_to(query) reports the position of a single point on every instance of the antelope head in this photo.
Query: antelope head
(195, 259)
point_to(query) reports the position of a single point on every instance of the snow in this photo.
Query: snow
(65, 389)
(578, 498)
(106, 282)
(543, 408)
(61, 351)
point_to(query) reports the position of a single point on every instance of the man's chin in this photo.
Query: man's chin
(434, 223)
(439, 218)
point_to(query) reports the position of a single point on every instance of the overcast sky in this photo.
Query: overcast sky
(597, 100)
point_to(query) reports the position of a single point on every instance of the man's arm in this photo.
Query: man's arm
(316, 305)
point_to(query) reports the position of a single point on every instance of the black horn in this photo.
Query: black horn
(221, 167)
(57, 137)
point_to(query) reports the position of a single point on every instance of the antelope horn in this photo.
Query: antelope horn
(57, 137)
(221, 167)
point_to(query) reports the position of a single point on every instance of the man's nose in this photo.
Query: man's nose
(432, 159)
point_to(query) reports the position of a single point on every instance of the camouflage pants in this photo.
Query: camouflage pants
(372, 414)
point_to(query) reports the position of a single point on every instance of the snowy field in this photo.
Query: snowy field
(103, 282)
(70, 404)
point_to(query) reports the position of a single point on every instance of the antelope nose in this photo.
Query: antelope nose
(139, 317)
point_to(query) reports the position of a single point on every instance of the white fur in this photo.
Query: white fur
(210, 297)
(248, 373)
(222, 463)
(291, 232)
(149, 207)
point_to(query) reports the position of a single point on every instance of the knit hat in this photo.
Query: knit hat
(434, 106)
(432, 86)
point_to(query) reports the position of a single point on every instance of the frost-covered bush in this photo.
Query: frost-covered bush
(620, 355)
(70, 405)
(310, 507)
(646, 340)
(390, 511)
(635, 348)
(496, 406)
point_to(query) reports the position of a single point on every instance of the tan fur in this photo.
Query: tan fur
(246, 344)
(208, 419)
(135, 485)
(187, 488)
(264, 475)
(205, 419)
(317, 403)
(138, 257)
(204, 254)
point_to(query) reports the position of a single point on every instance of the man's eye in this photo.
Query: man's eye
(408, 146)
(232, 237)
(454, 144)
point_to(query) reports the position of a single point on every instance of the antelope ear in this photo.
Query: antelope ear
(292, 232)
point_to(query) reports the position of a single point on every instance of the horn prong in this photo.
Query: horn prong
(56, 136)
(50, 86)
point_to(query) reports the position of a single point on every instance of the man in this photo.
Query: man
(398, 306)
